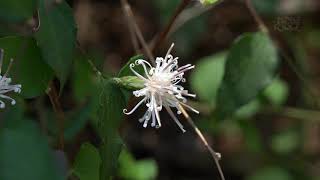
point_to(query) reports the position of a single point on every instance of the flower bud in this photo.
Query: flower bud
(129, 82)
(208, 2)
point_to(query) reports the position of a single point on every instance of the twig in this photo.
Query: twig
(294, 113)
(163, 34)
(189, 14)
(300, 75)
(216, 156)
(129, 13)
(131, 30)
(54, 99)
(256, 17)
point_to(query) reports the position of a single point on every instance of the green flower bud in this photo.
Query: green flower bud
(129, 82)
(208, 2)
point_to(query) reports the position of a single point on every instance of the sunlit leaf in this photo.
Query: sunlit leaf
(277, 92)
(207, 76)
(130, 168)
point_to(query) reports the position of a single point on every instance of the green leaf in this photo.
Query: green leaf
(268, 173)
(17, 10)
(28, 67)
(83, 79)
(111, 105)
(130, 168)
(250, 67)
(110, 114)
(87, 163)
(252, 136)
(126, 71)
(285, 142)
(207, 77)
(12, 117)
(25, 154)
(57, 37)
(270, 7)
(165, 9)
(109, 152)
(78, 120)
(248, 110)
(277, 92)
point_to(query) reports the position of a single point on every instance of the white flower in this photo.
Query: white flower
(161, 89)
(5, 86)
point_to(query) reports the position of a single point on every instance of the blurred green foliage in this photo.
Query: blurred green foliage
(238, 84)
(16, 10)
(207, 77)
(25, 154)
(129, 168)
(87, 163)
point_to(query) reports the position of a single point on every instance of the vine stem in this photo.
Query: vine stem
(215, 155)
(163, 34)
(129, 14)
(256, 17)
(54, 99)
(133, 36)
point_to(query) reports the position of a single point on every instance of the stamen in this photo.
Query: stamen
(8, 68)
(142, 62)
(13, 102)
(189, 107)
(169, 51)
(175, 119)
(136, 107)
(137, 74)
